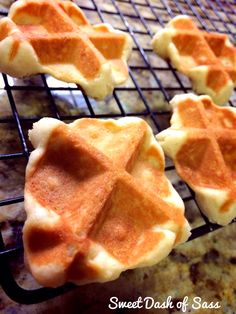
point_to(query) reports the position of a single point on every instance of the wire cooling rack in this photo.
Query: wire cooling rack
(152, 83)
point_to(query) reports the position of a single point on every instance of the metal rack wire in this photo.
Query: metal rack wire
(140, 18)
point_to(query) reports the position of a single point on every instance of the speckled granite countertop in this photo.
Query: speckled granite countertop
(205, 267)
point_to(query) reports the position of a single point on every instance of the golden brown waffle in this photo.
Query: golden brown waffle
(202, 143)
(209, 59)
(55, 37)
(97, 201)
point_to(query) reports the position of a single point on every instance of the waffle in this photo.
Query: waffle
(97, 201)
(55, 37)
(208, 59)
(202, 143)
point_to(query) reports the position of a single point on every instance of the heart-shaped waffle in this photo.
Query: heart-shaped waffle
(208, 59)
(202, 143)
(55, 37)
(97, 201)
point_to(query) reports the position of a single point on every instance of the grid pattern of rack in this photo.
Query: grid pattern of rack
(152, 83)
